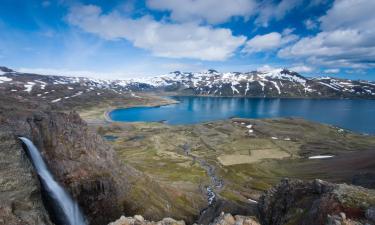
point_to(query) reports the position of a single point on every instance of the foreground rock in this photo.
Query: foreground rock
(223, 219)
(317, 202)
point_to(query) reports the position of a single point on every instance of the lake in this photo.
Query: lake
(356, 115)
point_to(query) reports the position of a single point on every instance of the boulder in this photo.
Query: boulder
(316, 203)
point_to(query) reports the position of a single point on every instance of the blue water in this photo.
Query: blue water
(356, 115)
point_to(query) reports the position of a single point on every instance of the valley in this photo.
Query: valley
(190, 172)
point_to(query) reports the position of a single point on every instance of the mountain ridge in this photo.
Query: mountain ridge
(274, 83)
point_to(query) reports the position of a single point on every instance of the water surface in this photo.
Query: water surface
(356, 115)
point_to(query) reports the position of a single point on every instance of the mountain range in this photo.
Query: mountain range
(273, 83)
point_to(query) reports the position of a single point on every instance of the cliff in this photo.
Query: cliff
(85, 165)
(317, 203)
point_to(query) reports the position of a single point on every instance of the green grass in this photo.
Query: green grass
(156, 149)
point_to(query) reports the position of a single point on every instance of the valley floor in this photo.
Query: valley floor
(237, 158)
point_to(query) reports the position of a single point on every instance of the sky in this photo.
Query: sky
(138, 38)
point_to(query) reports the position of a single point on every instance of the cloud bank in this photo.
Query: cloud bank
(173, 40)
(345, 40)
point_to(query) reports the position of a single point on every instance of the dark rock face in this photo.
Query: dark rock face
(81, 161)
(77, 157)
(316, 202)
(20, 193)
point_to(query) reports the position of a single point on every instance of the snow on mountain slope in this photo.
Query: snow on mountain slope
(274, 83)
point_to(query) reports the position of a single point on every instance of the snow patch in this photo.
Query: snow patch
(276, 86)
(29, 86)
(4, 79)
(321, 157)
(56, 100)
(330, 86)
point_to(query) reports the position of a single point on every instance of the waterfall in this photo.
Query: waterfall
(66, 209)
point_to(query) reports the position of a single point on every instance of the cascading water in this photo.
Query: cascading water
(67, 209)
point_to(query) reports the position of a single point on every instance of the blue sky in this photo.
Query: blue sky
(134, 38)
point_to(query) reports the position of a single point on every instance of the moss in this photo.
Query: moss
(232, 196)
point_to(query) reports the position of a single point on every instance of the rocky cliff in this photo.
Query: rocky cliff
(85, 165)
(20, 193)
(77, 157)
(316, 203)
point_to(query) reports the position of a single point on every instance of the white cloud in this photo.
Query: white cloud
(332, 71)
(266, 68)
(349, 14)
(301, 69)
(176, 66)
(269, 42)
(210, 11)
(185, 40)
(346, 39)
(310, 24)
(269, 11)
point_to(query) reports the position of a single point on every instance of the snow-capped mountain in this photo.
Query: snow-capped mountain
(275, 83)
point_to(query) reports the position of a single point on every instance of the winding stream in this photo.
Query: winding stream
(216, 182)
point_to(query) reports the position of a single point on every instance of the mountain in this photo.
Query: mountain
(274, 83)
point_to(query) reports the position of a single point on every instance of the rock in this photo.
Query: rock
(342, 215)
(221, 205)
(223, 219)
(370, 214)
(138, 220)
(20, 192)
(316, 203)
(228, 219)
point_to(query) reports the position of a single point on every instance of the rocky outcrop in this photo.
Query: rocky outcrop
(223, 219)
(20, 193)
(220, 205)
(139, 220)
(316, 202)
(78, 158)
(228, 219)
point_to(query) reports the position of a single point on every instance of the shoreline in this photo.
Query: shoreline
(108, 119)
